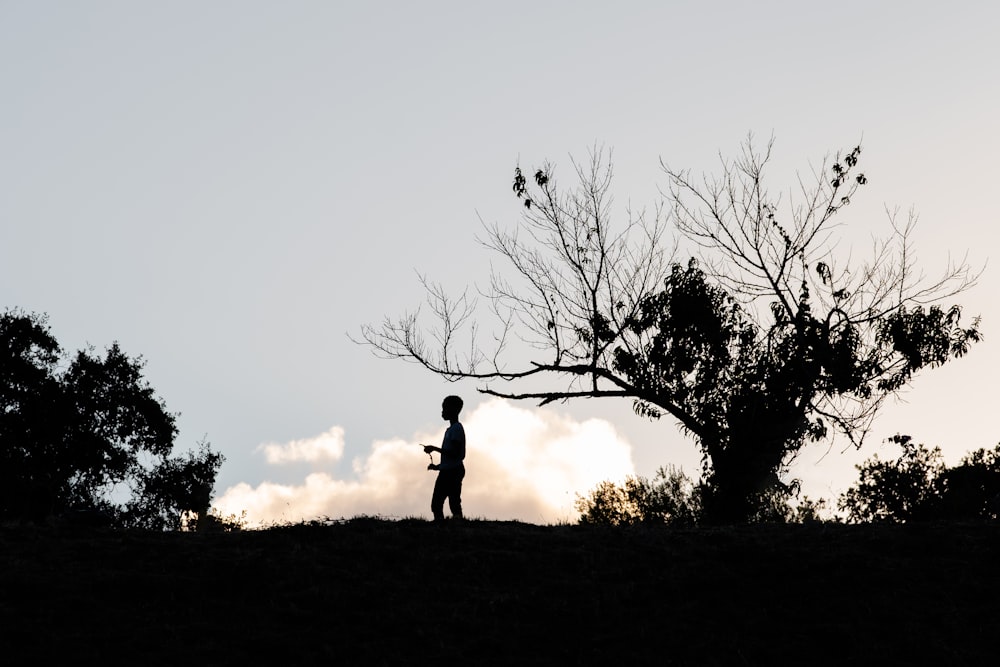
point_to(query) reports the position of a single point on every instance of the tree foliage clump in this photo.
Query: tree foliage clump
(918, 486)
(670, 498)
(674, 499)
(765, 340)
(86, 434)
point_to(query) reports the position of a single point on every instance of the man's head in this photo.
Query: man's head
(450, 407)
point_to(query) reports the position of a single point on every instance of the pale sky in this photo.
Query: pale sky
(229, 189)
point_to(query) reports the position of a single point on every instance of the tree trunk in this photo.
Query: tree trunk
(744, 477)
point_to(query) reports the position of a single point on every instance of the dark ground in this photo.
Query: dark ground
(381, 592)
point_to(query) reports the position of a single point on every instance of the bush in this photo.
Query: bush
(808, 510)
(918, 486)
(971, 490)
(672, 498)
(669, 498)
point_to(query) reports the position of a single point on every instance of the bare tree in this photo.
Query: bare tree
(577, 281)
(760, 344)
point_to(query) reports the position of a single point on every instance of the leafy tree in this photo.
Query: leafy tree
(918, 486)
(78, 433)
(765, 341)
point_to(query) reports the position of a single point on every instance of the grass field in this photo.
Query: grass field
(394, 592)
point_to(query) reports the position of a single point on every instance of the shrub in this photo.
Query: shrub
(918, 486)
(669, 498)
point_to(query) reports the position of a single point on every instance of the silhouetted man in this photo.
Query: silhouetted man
(451, 470)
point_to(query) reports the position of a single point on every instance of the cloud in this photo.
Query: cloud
(328, 446)
(522, 463)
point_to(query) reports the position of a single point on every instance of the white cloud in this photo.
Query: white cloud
(328, 446)
(525, 464)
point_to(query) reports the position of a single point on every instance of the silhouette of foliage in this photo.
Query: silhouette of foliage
(900, 490)
(971, 490)
(177, 485)
(79, 433)
(918, 486)
(765, 341)
(810, 510)
(669, 498)
(672, 498)
(215, 521)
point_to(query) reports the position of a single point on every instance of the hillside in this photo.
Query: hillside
(387, 592)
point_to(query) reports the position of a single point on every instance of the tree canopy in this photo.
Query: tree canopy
(763, 340)
(87, 433)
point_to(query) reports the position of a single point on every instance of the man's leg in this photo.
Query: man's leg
(455, 494)
(437, 498)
